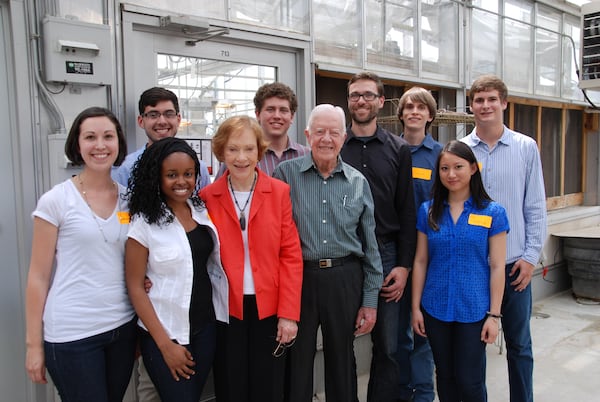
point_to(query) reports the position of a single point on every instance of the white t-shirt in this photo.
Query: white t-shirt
(171, 270)
(88, 294)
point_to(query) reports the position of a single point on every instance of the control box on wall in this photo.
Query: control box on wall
(77, 52)
(590, 46)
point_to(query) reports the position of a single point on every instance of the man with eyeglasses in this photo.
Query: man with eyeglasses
(160, 118)
(333, 210)
(385, 160)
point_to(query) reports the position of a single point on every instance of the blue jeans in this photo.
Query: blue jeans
(516, 311)
(460, 359)
(94, 369)
(418, 379)
(388, 379)
(202, 347)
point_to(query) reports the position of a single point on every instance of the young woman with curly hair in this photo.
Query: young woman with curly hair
(173, 242)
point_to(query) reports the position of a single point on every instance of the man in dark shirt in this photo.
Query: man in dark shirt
(385, 160)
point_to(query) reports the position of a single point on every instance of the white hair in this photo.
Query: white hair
(326, 107)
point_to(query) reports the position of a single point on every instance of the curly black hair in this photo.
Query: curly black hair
(145, 196)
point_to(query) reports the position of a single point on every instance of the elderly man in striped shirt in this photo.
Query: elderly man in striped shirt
(334, 212)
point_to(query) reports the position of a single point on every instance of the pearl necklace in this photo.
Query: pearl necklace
(84, 193)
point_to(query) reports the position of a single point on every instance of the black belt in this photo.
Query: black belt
(329, 262)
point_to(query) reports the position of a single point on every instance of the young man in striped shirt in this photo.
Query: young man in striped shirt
(275, 106)
(511, 170)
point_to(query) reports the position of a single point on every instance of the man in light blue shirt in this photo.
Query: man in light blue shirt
(160, 118)
(511, 170)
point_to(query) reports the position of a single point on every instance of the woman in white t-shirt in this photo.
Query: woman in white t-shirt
(173, 243)
(79, 319)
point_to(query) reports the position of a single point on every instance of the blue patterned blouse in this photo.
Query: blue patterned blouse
(457, 285)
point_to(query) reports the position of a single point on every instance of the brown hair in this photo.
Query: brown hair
(234, 125)
(72, 150)
(366, 75)
(421, 95)
(488, 82)
(275, 90)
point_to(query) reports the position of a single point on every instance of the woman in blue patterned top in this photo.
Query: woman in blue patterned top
(458, 274)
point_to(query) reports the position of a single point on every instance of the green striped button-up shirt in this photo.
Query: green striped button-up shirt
(334, 217)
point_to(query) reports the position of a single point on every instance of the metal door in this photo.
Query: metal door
(214, 78)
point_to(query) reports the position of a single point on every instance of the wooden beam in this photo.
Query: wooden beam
(563, 201)
(563, 149)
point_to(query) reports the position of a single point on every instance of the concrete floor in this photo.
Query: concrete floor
(566, 347)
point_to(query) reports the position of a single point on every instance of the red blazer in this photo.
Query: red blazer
(273, 242)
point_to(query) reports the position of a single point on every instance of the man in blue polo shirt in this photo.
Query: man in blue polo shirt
(416, 111)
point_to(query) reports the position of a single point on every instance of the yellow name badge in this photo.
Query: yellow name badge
(421, 173)
(480, 220)
(123, 217)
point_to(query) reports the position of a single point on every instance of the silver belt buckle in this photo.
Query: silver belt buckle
(325, 263)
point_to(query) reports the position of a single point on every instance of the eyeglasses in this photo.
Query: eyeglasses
(155, 114)
(367, 96)
(282, 347)
(321, 132)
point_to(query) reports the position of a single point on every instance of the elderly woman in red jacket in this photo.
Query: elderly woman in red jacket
(261, 255)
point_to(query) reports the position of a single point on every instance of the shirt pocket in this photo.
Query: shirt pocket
(352, 210)
(165, 259)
